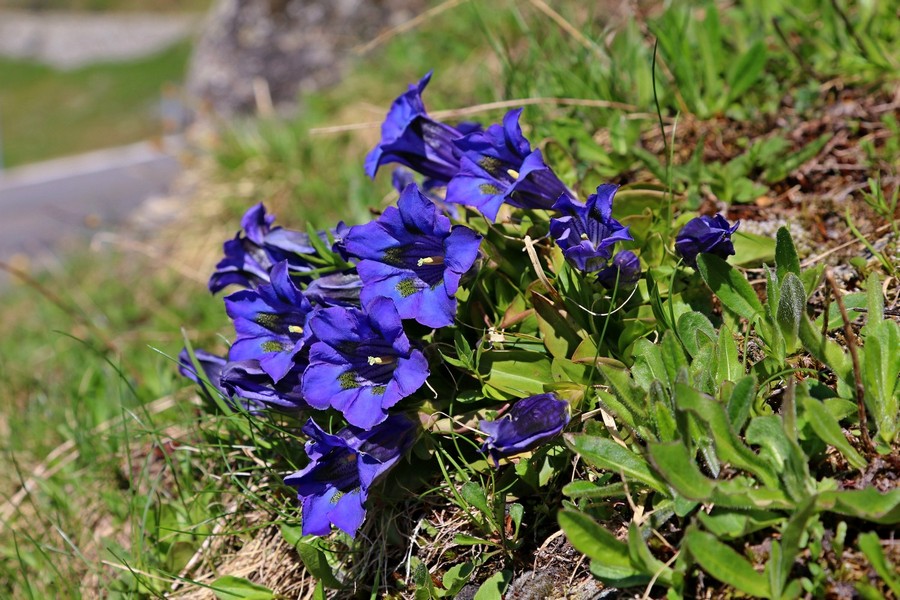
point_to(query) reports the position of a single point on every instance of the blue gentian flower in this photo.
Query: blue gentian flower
(412, 138)
(334, 486)
(587, 232)
(250, 257)
(412, 256)
(529, 423)
(710, 235)
(363, 363)
(247, 381)
(336, 289)
(624, 271)
(270, 322)
(498, 166)
(212, 366)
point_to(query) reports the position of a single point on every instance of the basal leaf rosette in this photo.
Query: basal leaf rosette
(413, 256)
(362, 363)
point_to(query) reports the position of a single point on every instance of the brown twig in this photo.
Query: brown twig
(850, 337)
(405, 26)
(499, 105)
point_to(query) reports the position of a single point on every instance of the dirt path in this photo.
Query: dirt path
(72, 40)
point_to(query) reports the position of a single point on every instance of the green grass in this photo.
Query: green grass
(46, 113)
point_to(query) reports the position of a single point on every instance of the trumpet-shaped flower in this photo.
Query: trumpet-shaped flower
(246, 380)
(250, 257)
(334, 486)
(212, 366)
(624, 271)
(498, 166)
(412, 138)
(270, 322)
(587, 232)
(362, 363)
(413, 256)
(704, 234)
(529, 423)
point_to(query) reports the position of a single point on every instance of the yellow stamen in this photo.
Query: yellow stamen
(513, 173)
(375, 360)
(295, 329)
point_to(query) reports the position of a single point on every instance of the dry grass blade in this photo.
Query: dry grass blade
(66, 453)
(406, 26)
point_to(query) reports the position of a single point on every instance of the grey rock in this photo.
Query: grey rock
(253, 51)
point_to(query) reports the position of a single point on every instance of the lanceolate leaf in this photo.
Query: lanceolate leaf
(729, 286)
(868, 503)
(786, 259)
(791, 309)
(597, 543)
(726, 565)
(829, 431)
(607, 454)
(676, 465)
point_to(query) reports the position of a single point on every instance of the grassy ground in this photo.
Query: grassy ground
(123, 486)
(46, 113)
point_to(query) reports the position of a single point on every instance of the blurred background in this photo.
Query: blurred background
(99, 99)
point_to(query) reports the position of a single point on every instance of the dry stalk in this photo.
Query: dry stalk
(850, 337)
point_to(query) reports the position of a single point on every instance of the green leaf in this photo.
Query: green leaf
(829, 431)
(648, 365)
(786, 259)
(729, 286)
(593, 491)
(825, 350)
(642, 558)
(598, 544)
(791, 536)
(870, 544)
(695, 331)
(604, 453)
(313, 557)
(729, 446)
(475, 495)
(457, 577)
(726, 565)
(867, 503)
(752, 249)
(778, 171)
(729, 366)
(238, 588)
(880, 370)
(517, 372)
(728, 524)
(791, 309)
(746, 71)
(741, 400)
(673, 356)
(675, 463)
(560, 333)
(494, 586)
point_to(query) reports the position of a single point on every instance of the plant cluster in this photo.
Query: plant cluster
(491, 310)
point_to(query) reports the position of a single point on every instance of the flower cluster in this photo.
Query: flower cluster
(345, 322)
